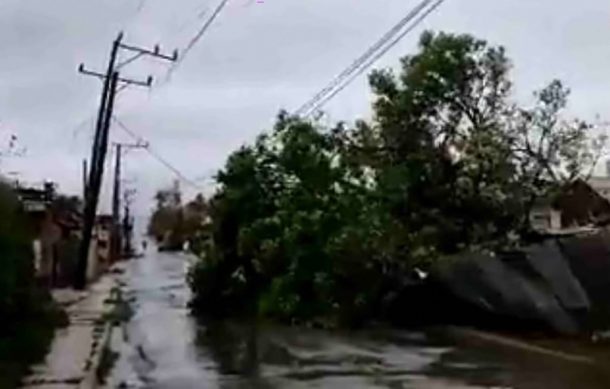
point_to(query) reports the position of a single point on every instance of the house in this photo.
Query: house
(55, 222)
(36, 206)
(543, 217)
(577, 204)
(601, 185)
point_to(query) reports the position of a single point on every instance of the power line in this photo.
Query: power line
(361, 59)
(140, 6)
(193, 41)
(358, 72)
(204, 28)
(156, 155)
(370, 56)
(315, 104)
(198, 36)
(200, 13)
(168, 165)
(83, 125)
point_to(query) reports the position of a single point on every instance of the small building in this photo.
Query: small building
(577, 204)
(36, 206)
(544, 217)
(601, 185)
(55, 223)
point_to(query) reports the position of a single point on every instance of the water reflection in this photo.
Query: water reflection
(487, 366)
(265, 356)
(232, 346)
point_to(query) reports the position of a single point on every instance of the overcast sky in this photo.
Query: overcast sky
(256, 59)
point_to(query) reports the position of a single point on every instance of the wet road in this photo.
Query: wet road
(163, 347)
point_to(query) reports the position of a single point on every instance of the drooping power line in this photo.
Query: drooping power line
(204, 28)
(372, 54)
(322, 101)
(156, 155)
(361, 59)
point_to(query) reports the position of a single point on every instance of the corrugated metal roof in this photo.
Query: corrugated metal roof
(599, 183)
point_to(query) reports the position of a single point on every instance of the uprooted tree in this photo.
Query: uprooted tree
(313, 223)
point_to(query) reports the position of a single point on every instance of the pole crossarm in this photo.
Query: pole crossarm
(126, 81)
(139, 145)
(153, 53)
(129, 60)
(126, 147)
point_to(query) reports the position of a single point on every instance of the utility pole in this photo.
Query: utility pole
(115, 240)
(116, 246)
(84, 178)
(100, 144)
(94, 185)
(128, 221)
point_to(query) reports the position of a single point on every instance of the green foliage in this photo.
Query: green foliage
(291, 195)
(172, 223)
(323, 224)
(17, 275)
(166, 218)
(29, 317)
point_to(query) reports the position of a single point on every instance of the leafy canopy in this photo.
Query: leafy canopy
(311, 223)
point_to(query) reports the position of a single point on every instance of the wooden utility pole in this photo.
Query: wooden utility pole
(128, 222)
(115, 242)
(116, 246)
(93, 187)
(84, 178)
(100, 143)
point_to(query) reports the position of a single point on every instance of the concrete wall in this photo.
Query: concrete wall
(545, 219)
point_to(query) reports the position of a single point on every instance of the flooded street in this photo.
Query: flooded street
(163, 347)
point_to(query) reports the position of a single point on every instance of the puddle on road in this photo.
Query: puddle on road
(166, 348)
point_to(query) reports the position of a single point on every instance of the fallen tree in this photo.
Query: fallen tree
(327, 225)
